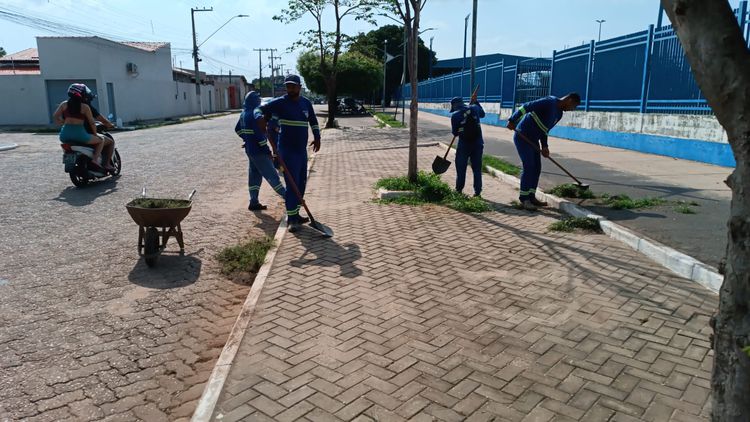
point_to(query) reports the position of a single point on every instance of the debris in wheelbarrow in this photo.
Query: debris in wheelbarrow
(158, 219)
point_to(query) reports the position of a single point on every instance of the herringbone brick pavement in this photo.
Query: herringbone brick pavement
(424, 313)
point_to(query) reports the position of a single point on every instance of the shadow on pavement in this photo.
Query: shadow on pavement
(171, 271)
(266, 222)
(328, 253)
(80, 197)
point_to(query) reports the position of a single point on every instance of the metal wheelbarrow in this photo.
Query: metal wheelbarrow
(157, 224)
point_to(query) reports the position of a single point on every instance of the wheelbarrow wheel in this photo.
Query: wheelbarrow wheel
(151, 246)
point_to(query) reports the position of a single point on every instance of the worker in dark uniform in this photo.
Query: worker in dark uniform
(534, 120)
(465, 125)
(295, 113)
(258, 153)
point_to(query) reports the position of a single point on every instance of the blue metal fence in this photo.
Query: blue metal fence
(645, 72)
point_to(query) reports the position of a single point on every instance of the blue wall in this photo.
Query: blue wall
(688, 149)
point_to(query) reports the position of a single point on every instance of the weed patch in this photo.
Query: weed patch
(244, 258)
(573, 223)
(500, 164)
(430, 189)
(569, 190)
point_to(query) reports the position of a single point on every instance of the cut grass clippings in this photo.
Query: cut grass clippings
(624, 202)
(245, 258)
(159, 203)
(576, 223)
(501, 165)
(429, 189)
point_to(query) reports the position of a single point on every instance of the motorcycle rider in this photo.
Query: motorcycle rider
(73, 114)
(109, 143)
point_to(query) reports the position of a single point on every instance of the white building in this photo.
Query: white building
(133, 80)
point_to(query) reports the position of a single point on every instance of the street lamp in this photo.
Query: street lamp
(429, 73)
(600, 22)
(195, 51)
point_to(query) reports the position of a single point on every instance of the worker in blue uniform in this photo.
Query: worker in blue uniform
(258, 153)
(465, 125)
(294, 113)
(534, 120)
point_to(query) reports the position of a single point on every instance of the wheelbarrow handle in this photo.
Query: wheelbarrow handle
(190, 197)
(143, 192)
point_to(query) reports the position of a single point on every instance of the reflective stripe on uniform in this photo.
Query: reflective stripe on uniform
(278, 187)
(293, 212)
(245, 132)
(252, 188)
(298, 123)
(539, 123)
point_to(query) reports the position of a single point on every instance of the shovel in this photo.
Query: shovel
(440, 164)
(317, 225)
(581, 186)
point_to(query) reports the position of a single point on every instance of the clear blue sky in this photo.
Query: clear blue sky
(529, 28)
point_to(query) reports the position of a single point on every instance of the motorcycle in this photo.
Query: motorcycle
(78, 161)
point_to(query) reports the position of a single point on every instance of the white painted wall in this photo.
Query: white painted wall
(24, 100)
(704, 128)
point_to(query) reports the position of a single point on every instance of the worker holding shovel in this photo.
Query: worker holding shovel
(465, 125)
(534, 121)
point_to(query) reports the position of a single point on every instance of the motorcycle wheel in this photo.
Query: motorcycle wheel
(75, 175)
(151, 247)
(117, 163)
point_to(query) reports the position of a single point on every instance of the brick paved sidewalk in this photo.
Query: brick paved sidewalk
(424, 313)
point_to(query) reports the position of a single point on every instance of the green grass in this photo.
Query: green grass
(500, 164)
(430, 189)
(389, 120)
(159, 203)
(570, 190)
(624, 202)
(247, 257)
(573, 223)
(684, 209)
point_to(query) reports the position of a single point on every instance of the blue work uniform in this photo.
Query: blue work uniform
(537, 118)
(468, 151)
(293, 118)
(257, 150)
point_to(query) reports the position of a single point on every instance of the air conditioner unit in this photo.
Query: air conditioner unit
(131, 68)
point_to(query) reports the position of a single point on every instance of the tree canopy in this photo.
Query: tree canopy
(358, 75)
(371, 44)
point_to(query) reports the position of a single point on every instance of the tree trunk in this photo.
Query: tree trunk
(414, 105)
(719, 58)
(332, 101)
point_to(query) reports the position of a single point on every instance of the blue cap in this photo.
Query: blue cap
(456, 102)
(292, 79)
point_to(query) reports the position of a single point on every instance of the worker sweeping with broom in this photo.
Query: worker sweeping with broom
(534, 121)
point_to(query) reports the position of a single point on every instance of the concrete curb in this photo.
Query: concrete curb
(215, 383)
(8, 147)
(677, 262)
(212, 392)
(393, 194)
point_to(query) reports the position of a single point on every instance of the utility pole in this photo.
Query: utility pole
(403, 77)
(463, 63)
(429, 73)
(385, 64)
(273, 82)
(473, 46)
(195, 57)
(260, 69)
(600, 22)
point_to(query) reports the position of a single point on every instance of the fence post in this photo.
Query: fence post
(515, 85)
(502, 75)
(552, 71)
(486, 66)
(647, 69)
(589, 73)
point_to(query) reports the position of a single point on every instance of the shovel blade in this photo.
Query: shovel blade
(440, 165)
(322, 228)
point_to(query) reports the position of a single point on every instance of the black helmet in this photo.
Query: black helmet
(77, 90)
